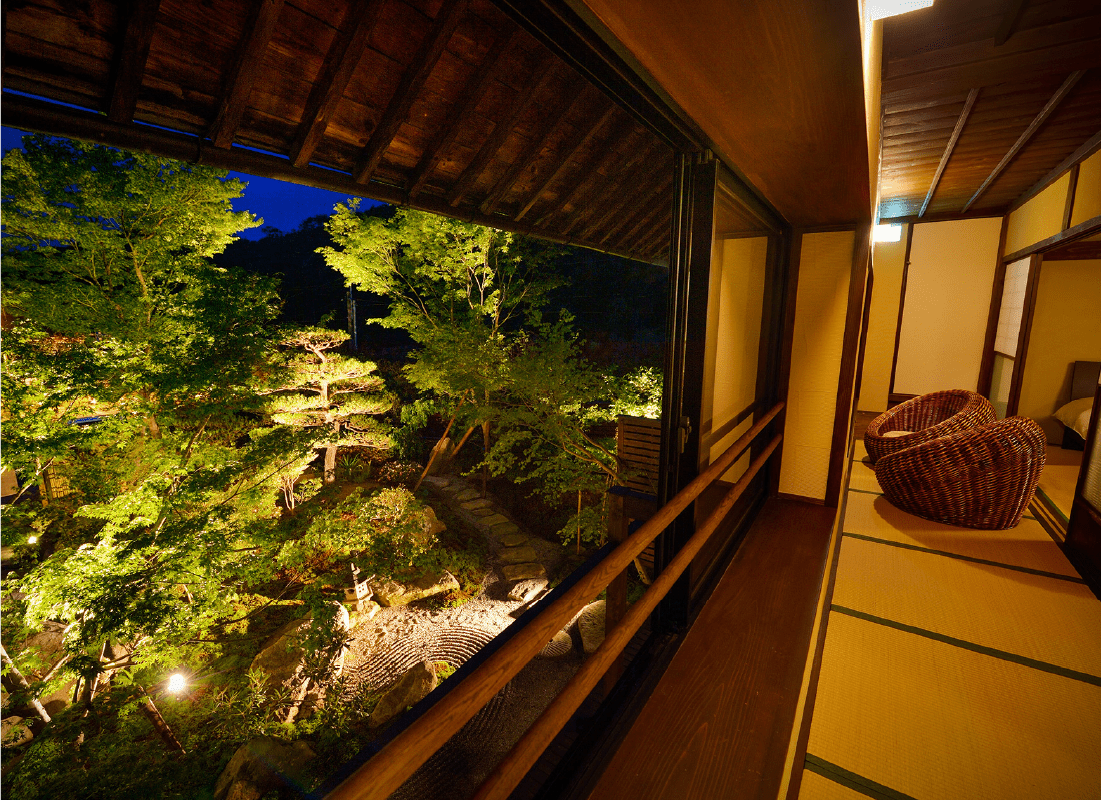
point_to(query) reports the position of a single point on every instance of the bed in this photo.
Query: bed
(1075, 415)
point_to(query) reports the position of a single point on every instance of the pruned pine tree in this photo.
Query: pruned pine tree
(325, 389)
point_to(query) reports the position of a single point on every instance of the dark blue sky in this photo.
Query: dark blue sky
(282, 205)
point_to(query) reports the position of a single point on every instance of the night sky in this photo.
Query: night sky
(281, 205)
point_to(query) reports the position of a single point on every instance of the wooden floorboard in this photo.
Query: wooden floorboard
(719, 722)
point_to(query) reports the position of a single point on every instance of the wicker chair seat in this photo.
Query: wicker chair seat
(924, 418)
(978, 478)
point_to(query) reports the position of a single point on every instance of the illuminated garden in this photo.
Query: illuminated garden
(239, 534)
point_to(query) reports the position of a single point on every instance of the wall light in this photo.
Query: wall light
(887, 233)
(880, 9)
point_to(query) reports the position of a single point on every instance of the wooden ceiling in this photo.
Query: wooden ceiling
(984, 101)
(443, 105)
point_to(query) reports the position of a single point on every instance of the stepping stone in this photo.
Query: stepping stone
(507, 529)
(438, 482)
(482, 512)
(559, 646)
(480, 502)
(517, 555)
(513, 539)
(518, 572)
(526, 590)
(496, 519)
(467, 494)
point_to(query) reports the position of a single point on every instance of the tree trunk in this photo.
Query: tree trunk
(23, 684)
(330, 463)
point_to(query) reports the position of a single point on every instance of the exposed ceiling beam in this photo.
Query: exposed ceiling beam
(627, 197)
(1033, 126)
(460, 112)
(340, 63)
(579, 139)
(31, 114)
(130, 57)
(563, 106)
(972, 96)
(1087, 149)
(1051, 50)
(1009, 21)
(601, 161)
(537, 82)
(250, 58)
(397, 110)
(646, 219)
(611, 191)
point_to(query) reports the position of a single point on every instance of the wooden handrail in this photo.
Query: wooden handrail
(389, 768)
(512, 768)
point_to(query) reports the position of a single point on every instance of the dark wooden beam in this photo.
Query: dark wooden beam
(397, 110)
(562, 106)
(1084, 228)
(461, 111)
(1087, 149)
(340, 63)
(628, 195)
(130, 57)
(540, 78)
(579, 139)
(1009, 21)
(1075, 251)
(250, 57)
(648, 201)
(1072, 190)
(1033, 126)
(972, 96)
(611, 191)
(601, 161)
(31, 114)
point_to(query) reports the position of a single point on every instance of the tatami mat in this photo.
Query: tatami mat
(1060, 478)
(1047, 619)
(862, 478)
(860, 452)
(816, 787)
(1028, 545)
(931, 720)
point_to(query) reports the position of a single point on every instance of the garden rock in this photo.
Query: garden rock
(260, 766)
(559, 646)
(282, 657)
(439, 455)
(517, 555)
(410, 689)
(518, 572)
(392, 593)
(590, 624)
(526, 590)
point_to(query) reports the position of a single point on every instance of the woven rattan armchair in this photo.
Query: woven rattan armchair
(978, 478)
(924, 418)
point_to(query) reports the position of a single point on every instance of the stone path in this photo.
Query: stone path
(522, 556)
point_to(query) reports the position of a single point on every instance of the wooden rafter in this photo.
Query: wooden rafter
(602, 162)
(972, 96)
(1033, 126)
(397, 110)
(340, 63)
(611, 192)
(539, 80)
(460, 112)
(250, 57)
(579, 139)
(627, 197)
(563, 106)
(1009, 22)
(1087, 149)
(131, 55)
(646, 202)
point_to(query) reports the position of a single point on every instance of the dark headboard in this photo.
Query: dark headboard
(1083, 379)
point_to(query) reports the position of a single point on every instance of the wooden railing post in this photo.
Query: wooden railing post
(615, 606)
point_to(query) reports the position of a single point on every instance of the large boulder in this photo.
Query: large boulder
(392, 593)
(590, 624)
(260, 766)
(527, 589)
(15, 731)
(411, 688)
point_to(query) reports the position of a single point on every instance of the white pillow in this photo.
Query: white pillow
(1076, 415)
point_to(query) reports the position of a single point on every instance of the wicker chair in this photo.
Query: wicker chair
(978, 478)
(924, 418)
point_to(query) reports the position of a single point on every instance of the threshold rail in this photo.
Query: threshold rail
(379, 777)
